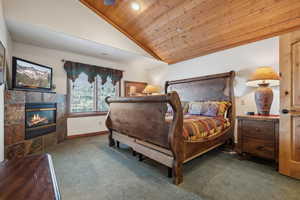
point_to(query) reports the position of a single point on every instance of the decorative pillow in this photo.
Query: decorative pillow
(184, 105)
(195, 108)
(170, 110)
(209, 108)
(223, 108)
(203, 108)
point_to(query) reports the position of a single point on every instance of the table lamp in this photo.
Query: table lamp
(150, 89)
(132, 90)
(262, 78)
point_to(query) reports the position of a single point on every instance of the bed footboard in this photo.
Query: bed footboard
(140, 121)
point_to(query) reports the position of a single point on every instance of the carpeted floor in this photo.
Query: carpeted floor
(87, 169)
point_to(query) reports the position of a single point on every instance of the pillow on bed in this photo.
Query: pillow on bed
(184, 105)
(223, 108)
(209, 108)
(203, 108)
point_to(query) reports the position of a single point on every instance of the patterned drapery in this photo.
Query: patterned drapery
(74, 69)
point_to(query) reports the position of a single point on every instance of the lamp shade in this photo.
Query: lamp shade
(151, 89)
(264, 75)
(132, 90)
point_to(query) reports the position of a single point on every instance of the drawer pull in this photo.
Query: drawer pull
(260, 147)
(257, 129)
(286, 111)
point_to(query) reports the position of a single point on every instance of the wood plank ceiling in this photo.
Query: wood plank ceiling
(177, 30)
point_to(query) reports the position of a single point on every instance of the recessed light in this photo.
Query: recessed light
(179, 30)
(135, 6)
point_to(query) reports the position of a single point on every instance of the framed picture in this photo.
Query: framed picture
(31, 76)
(7, 80)
(2, 63)
(133, 88)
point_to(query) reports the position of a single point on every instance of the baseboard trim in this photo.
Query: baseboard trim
(87, 135)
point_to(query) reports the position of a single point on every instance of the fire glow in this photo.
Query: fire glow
(37, 119)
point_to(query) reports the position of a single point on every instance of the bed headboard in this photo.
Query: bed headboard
(217, 87)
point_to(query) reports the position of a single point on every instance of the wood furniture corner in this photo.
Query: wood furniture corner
(35, 172)
(259, 136)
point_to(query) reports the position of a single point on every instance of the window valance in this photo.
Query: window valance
(74, 69)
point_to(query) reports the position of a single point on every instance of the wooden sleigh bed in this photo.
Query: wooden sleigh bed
(140, 122)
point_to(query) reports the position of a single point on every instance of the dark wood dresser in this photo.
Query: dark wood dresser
(258, 136)
(27, 178)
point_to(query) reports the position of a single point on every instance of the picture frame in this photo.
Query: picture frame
(134, 88)
(27, 75)
(7, 78)
(2, 63)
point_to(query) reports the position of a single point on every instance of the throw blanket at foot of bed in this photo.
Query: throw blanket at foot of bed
(201, 128)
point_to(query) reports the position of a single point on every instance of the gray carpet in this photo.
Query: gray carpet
(88, 169)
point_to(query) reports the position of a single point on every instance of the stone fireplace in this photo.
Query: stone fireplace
(40, 119)
(33, 122)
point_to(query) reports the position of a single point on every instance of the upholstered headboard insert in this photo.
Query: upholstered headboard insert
(217, 87)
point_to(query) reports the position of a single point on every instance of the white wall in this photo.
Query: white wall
(1, 123)
(243, 59)
(85, 125)
(53, 58)
(4, 35)
(5, 39)
(70, 17)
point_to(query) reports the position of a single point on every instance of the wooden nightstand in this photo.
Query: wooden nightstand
(258, 136)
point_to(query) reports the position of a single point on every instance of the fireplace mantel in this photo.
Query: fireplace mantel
(14, 120)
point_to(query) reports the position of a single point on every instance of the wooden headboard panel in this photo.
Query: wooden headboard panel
(217, 87)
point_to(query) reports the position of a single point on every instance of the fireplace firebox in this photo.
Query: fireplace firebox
(40, 119)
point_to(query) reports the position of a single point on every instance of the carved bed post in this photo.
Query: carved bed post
(166, 87)
(108, 124)
(232, 109)
(175, 138)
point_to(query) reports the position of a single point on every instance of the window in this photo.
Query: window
(90, 97)
(88, 86)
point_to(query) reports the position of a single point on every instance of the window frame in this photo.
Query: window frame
(85, 114)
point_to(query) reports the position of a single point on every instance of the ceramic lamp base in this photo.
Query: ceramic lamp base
(263, 99)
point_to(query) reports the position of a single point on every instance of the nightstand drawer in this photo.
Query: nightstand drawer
(261, 148)
(260, 130)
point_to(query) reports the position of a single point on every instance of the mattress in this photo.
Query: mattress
(196, 128)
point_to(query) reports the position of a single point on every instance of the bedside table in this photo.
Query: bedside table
(258, 136)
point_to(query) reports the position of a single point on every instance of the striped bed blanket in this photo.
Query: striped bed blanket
(196, 127)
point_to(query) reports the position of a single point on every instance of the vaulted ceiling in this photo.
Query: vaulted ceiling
(177, 30)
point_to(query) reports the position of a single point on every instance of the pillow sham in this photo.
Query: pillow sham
(184, 106)
(209, 108)
(203, 108)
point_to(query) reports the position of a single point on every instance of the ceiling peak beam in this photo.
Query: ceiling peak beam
(107, 19)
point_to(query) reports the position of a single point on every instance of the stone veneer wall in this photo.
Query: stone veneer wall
(14, 123)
